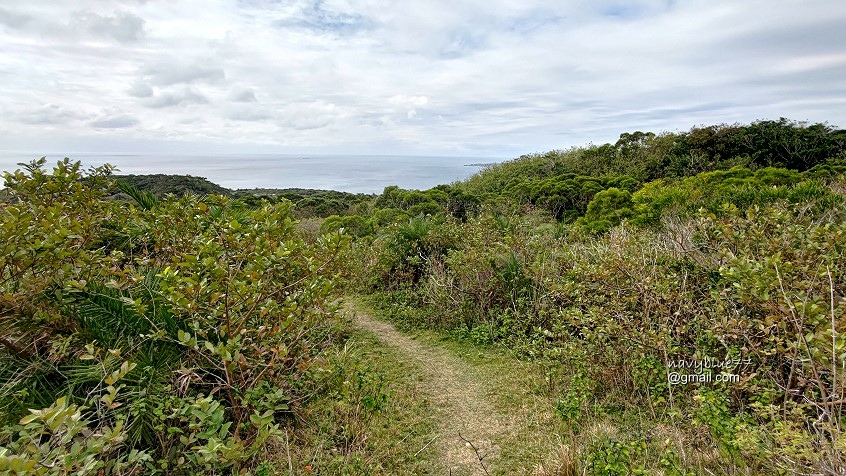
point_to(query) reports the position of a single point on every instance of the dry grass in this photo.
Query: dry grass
(564, 463)
(310, 228)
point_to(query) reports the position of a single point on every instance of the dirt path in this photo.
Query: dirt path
(469, 426)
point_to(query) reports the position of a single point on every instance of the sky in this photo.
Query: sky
(496, 78)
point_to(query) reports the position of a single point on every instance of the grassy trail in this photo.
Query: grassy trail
(489, 414)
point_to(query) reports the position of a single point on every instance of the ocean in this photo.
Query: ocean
(358, 174)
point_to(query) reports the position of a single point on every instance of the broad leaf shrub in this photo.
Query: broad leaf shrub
(179, 337)
(612, 264)
(783, 300)
(737, 186)
(730, 266)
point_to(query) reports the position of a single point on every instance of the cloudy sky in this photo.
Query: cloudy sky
(459, 77)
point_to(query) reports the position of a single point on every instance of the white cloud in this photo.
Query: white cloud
(181, 97)
(403, 100)
(498, 77)
(176, 70)
(308, 115)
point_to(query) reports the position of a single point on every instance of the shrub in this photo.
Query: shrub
(210, 314)
(608, 208)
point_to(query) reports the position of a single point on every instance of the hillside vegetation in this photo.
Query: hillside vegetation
(308, 202)
(681, 297)
(641, 274)
(162, 184)
(178, 336)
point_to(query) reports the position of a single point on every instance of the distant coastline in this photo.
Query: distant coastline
(367, 174)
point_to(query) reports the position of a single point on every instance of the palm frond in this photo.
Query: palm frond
(143, 198)
(108, 316)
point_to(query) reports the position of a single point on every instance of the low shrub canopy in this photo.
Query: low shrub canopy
(174, 337)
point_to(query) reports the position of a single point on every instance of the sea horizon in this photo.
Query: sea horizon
(346, 173)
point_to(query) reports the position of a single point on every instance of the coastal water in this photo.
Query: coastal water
(362, 173)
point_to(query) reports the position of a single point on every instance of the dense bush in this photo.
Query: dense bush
(608, 208)
(736, 265)
(161, 184)
(175, 337)
(762, 287)
(181, 335)
(646, 156)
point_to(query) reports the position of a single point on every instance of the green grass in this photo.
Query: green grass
(516, 387)
(378, 423)
(605, 439)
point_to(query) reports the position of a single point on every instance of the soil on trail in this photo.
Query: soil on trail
(469, 426)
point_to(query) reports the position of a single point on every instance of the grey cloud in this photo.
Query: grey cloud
(140, 90)
(49, 114)
(822, 82)
(306, 123)
(116, 122)
(175, 71)
(662, 113)
(244, 95)
(12, 19)
(192, 120)
(179, 98)
(249, 115)
(828, 36)
(123, 27)
(515, 73)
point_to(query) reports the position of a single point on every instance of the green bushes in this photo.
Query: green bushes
(645, 156)
(173, 338)
(608, 208)
(186, 335)
(737, 187)
(353, 225)
(612, 264)
(760, 286)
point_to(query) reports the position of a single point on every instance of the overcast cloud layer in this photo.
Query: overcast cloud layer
(477, 77)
